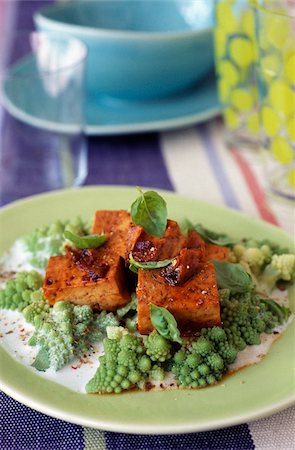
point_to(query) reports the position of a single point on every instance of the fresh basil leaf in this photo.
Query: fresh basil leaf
(280, 311)
(148, 265)
(90, 241)
(232, 276)
(211, 236)
(150, 211)
(165, 323)
(42, 361)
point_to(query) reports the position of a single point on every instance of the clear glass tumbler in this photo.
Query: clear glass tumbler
(42, 145)
(235, 59)
(276, 76)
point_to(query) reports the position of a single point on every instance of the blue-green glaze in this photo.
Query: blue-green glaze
(138, 49)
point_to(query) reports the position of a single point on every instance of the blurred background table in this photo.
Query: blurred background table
(193, 161)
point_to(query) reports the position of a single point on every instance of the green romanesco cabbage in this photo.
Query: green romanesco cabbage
(157, 347)
(104, 320)
(20, 291)
(281, 267)
(198, 364)
(49, 240)
(157, 373)
(114, 332)
(37, 311)
(126, 362)
(69, 331)
(122, 366)
(244, 317)
(218, 337)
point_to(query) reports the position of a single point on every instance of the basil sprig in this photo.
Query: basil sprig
(233, 276)
(81, 242)
(282, 312)
(148, 265)
(165, 323)
(211, 236)
(150, 212)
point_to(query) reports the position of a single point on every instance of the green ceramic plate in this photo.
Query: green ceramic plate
(254, 392)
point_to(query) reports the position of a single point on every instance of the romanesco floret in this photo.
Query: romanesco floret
(104, 320)
(38, 310)
(281, 267)
(115, 332)
(204, 361)
(157, 347)
(157, 373)
(122, 366)
(69, 331)
(198, 365)
(145, 364)
(202, 346)
(49, 240)
(218, 337)
(227, 351)
(215, 334)
(18, 292)
(125, 365)
(246, 316)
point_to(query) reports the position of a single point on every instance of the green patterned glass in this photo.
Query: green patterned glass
(276, 77)
(235, 58)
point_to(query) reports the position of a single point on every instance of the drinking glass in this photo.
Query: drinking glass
(235, 59)
(276, 77)
(42, 145)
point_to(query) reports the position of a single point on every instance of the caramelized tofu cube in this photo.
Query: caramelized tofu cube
(217, 252)
(145, 247)
(115, 225)
(194, 304)
(87, 277)
(196, 242)
(183, 267)
(206, 251)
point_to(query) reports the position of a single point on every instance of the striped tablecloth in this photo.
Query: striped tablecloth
(194, 162)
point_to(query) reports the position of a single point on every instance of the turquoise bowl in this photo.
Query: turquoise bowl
(138, 50)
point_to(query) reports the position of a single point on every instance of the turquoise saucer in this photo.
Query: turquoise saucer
(108, 116)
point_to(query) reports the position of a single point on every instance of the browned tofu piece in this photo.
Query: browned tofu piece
(145, 247)
(115, 225)
(194, 304)
(87, 277)
(206, 251)
(196, 242)
(183, 267)
(217, 252)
